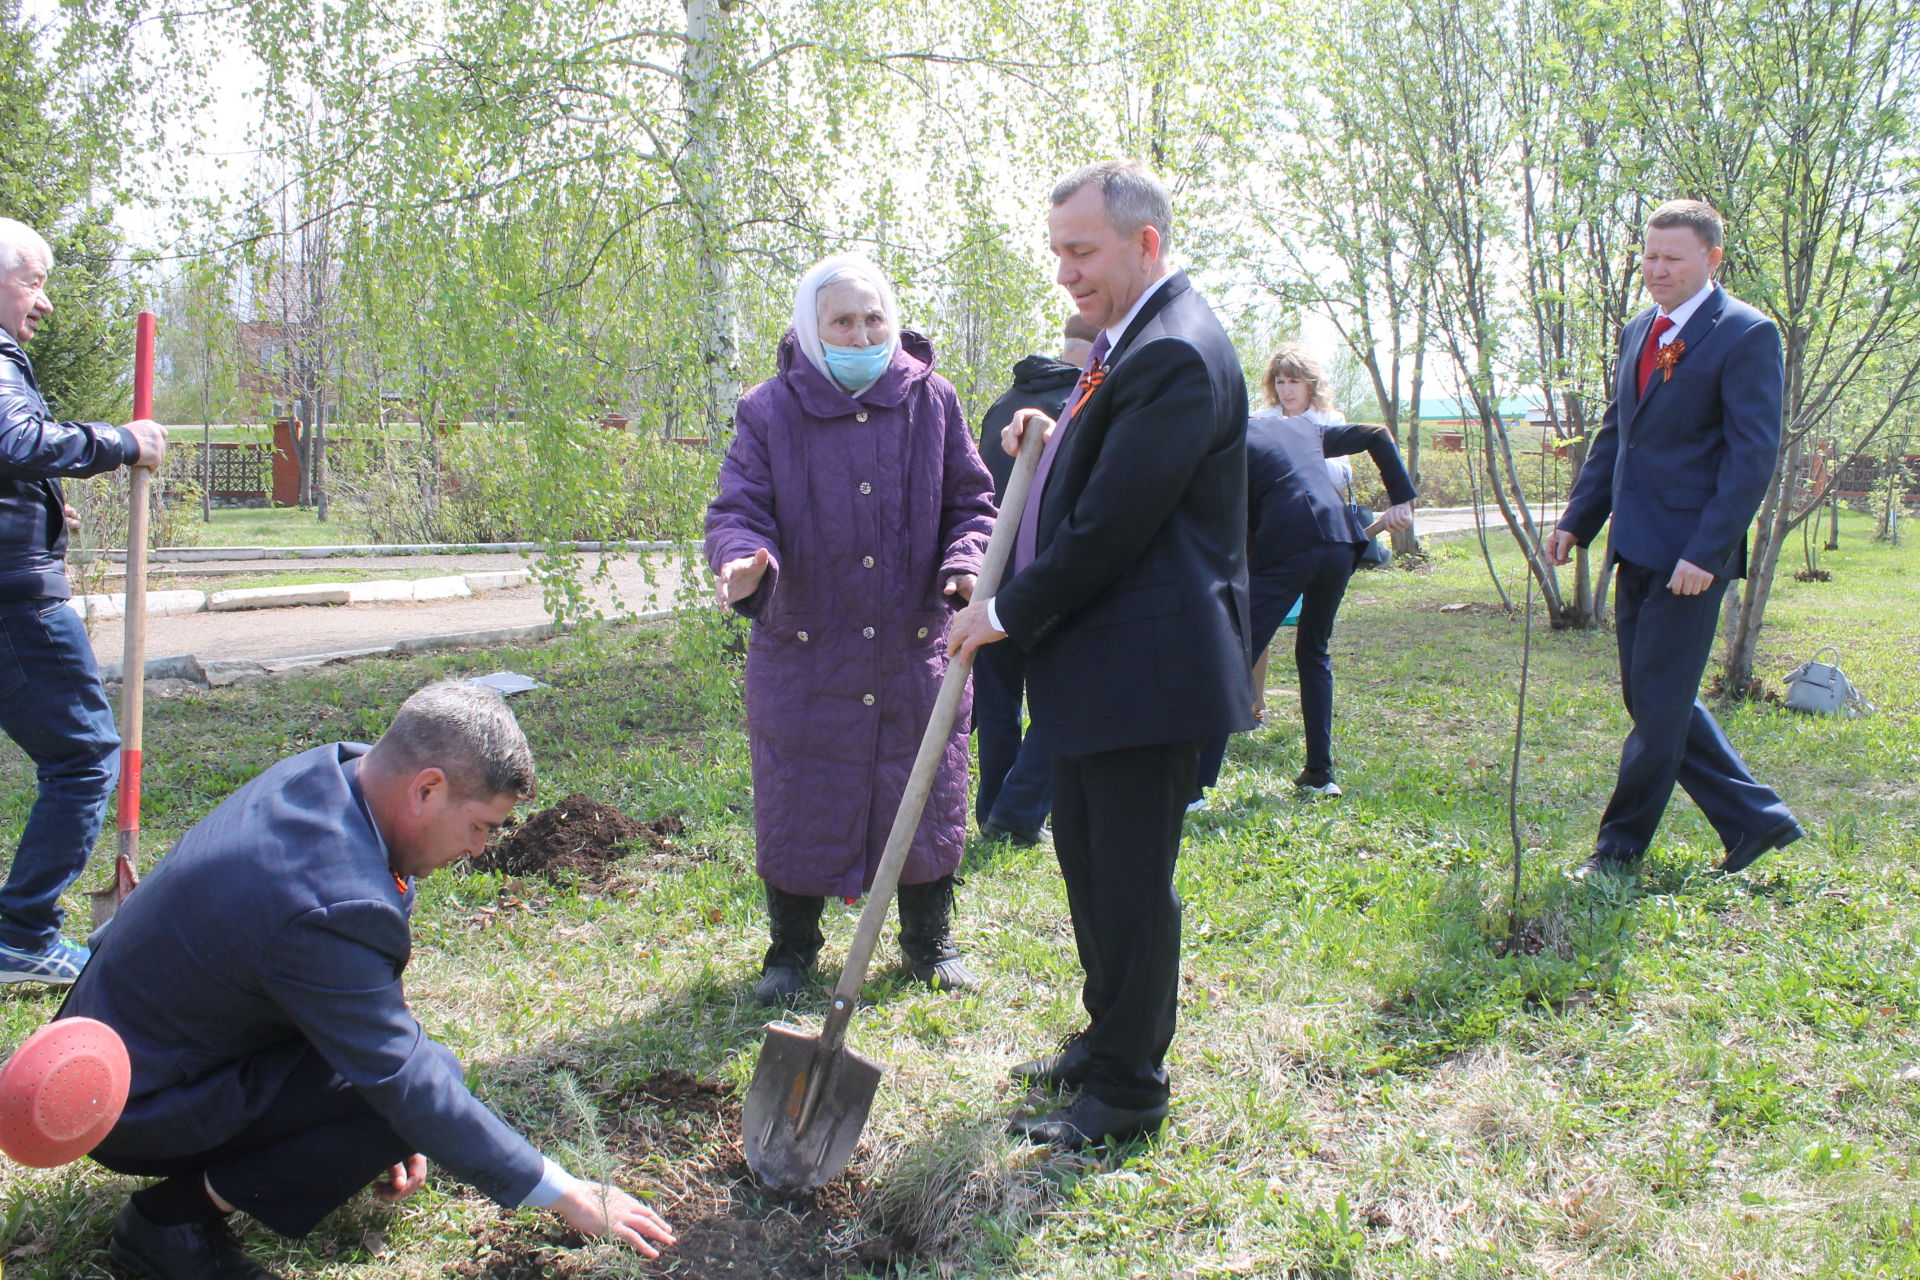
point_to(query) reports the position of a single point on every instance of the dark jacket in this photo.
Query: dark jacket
(1292, 503)
(1683, 469)
(1133, 612)
(867, 506)
(1039, 382)
(272, 931)
(35, 451)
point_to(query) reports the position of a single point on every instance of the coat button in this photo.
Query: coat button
(867, 632)
(867, 561)
(861, 416)
(801, 637)
(865, 487)
(868, 699)
(923, 633)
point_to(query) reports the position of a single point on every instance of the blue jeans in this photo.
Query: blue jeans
(1016, 771)
(52, 705)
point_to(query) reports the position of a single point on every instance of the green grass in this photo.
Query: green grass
(1698, 1078)
(274, 527)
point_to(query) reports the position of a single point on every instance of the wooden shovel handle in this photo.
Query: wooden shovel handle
(933, 746)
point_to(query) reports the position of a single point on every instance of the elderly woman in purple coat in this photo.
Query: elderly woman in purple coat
(853, 508)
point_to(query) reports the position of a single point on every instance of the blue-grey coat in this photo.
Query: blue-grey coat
(274, 931)
(868, 506)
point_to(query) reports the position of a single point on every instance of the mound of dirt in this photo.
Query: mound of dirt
(679, 1135)
(577, 838)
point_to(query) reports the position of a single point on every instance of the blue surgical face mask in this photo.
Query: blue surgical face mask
(855, 367)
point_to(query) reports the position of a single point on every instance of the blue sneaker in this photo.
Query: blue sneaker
(57, 966)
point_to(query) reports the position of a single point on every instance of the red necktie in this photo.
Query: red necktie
(1650, 354)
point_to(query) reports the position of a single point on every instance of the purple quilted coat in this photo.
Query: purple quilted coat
(867, 507)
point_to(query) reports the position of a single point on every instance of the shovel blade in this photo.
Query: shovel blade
(107, 901)
(782, 1154)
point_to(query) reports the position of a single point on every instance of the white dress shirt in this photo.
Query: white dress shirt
(1683, 313)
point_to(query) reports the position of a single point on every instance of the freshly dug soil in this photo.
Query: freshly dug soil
(680, 1136)
(579, 838)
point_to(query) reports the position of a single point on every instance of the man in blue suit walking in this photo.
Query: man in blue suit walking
(1680, 464)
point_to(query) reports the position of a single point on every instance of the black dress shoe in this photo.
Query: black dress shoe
(1089, 1122)
(1742, 855)
(196, 1251)
(1066, 1068)
(1606, 866)
(994, 831)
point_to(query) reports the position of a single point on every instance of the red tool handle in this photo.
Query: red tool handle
(143, 366)
(133, 649)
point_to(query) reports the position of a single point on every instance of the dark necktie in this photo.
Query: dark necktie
(1650, 354)
(1090, 379)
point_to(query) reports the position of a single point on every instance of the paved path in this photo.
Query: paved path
(284, 633)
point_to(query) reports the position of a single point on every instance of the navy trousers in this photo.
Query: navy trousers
(1117, 820)
(317, 1146)
(52, 705)
(1665, 641)
(1317, 578)
(1016, 769)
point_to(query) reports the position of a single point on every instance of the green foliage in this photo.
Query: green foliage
(56, 158)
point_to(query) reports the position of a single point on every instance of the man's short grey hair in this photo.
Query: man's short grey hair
(465, 731)
(18, 240)
(1135, 197)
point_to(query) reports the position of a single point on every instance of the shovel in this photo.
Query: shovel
(133, 647)
(811, 1094)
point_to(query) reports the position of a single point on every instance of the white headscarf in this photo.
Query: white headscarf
(806, 301)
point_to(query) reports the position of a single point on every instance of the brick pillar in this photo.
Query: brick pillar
(286, 465)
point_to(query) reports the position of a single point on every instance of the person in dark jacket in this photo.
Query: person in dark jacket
(1016, 770)
(51, 701)
(1129, 596)
(853, 507)
(1303, 542)
(255, 977)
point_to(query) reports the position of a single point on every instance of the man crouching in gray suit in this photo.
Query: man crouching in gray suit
(255, 977)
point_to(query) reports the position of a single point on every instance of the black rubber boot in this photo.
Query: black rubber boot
(926, 937)
(793, 921)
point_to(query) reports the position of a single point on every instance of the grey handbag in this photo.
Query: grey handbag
(1822, 688)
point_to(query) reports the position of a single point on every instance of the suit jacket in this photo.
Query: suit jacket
(1682, 469)
(275, 929)
(1292, 503)
(1134, 610)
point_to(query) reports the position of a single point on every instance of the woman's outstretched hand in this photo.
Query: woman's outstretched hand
(741, 578)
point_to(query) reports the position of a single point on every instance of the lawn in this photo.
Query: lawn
(1701, 1077)
(274, 527)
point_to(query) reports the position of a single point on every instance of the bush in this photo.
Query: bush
(515, 484)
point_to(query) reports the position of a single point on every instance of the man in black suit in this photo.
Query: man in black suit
(1130, 600)
(1016, 769)
(255, 977)
(1680, 464)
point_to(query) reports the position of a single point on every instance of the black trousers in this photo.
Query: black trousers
(1317, 577)
(317, 1146)
(1117, 819)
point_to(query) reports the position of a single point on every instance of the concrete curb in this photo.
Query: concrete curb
(188, 555)
(170, 604)
(184, 672)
